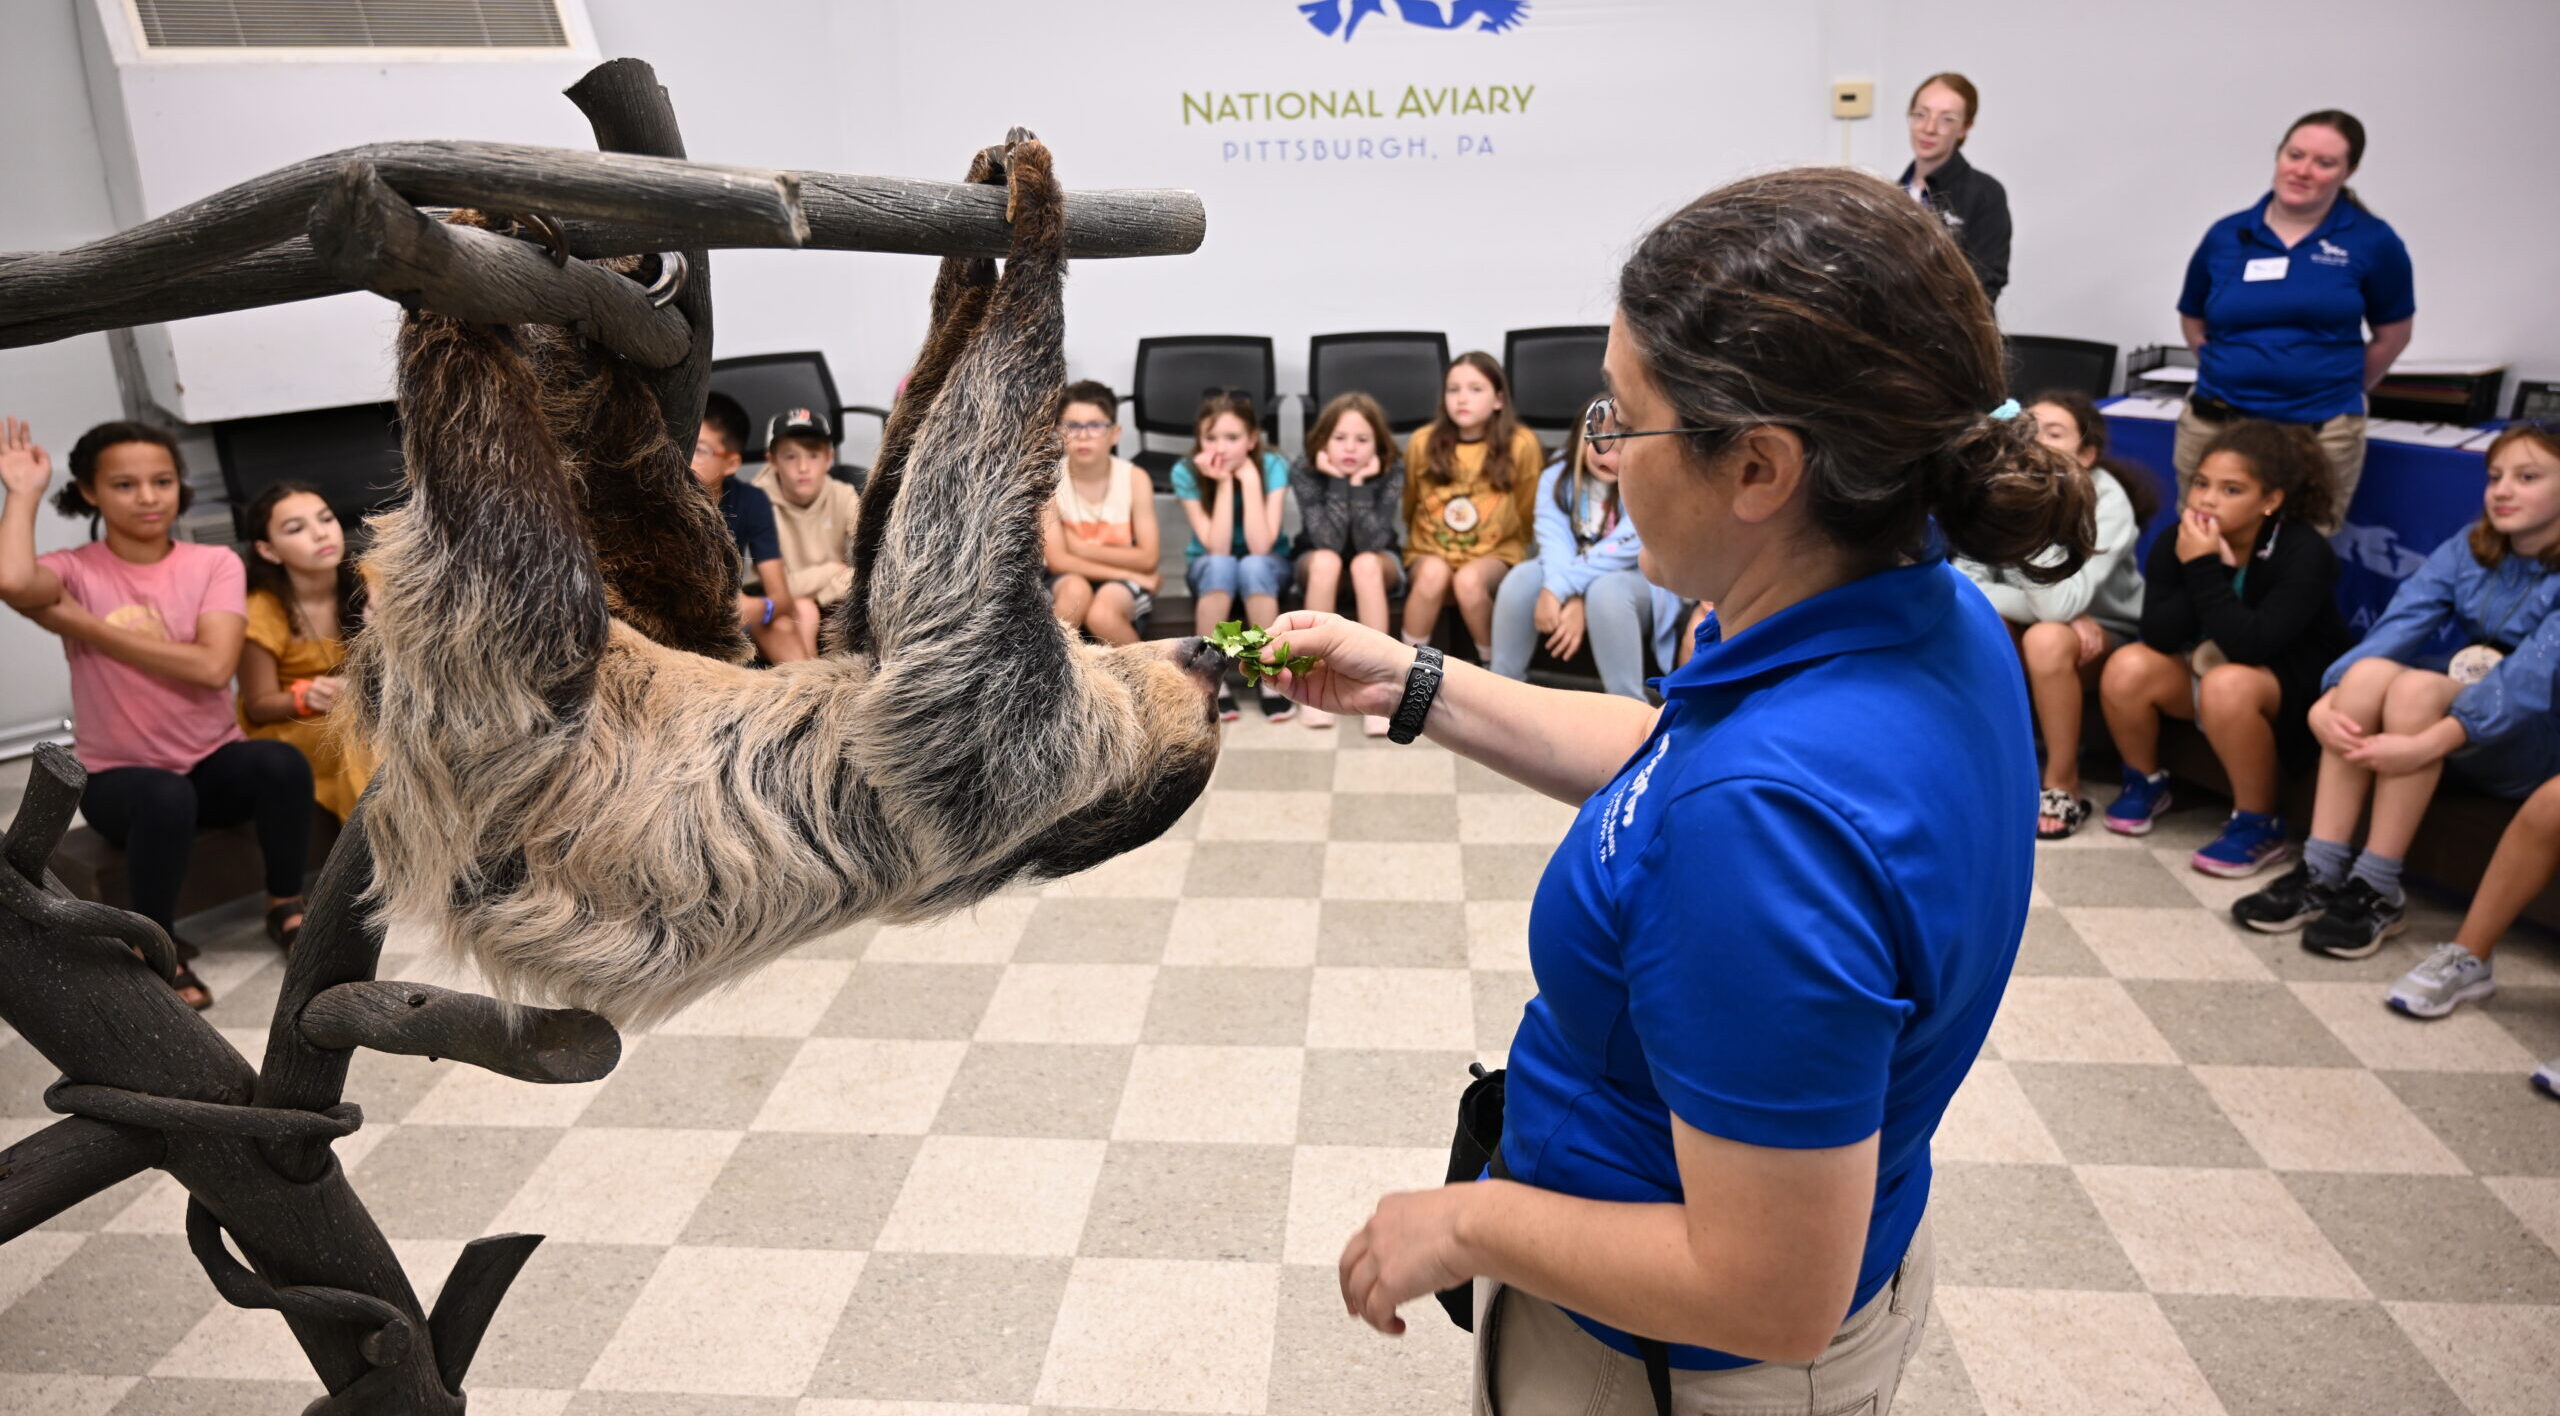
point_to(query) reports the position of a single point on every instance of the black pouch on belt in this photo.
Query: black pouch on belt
(1476, 1147)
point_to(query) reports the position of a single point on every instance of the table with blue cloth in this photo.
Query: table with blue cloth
(2410, 500)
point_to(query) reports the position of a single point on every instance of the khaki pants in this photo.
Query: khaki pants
(1539, 1362)
(2342, 438)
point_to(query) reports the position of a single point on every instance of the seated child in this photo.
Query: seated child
(305, 597)
(2456, 675)
(1583, 582)
(1099, 533)
(1466, 520)
(1238, 511)
(813, 513)
(2457, 971)
(152, 628)
(2066, 630)
(1350, 491)
(2239, 618)
(772, 618)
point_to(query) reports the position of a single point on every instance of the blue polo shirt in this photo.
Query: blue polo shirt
(2285, 327)
(749, 513)
(1789, 918)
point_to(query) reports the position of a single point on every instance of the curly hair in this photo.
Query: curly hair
(76, 498)
(2283, 457)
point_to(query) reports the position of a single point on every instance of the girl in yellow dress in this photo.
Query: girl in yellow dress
(305, 598)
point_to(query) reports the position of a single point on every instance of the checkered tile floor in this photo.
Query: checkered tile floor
(1097, 1146)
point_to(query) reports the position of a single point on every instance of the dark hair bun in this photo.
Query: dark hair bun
(2002, 498)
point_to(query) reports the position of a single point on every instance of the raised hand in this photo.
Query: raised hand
(25, 467)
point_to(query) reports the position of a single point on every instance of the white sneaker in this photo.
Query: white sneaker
(2444, 980)
(2546, 1078)
(1374, 725)
(1315, 717)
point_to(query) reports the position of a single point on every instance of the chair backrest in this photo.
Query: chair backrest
(1176, 371)
(1554, 372)
(766, 384)
(1400, 369)
(2038, 362)
(351, 454)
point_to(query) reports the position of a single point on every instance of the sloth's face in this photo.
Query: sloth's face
(1172, 692)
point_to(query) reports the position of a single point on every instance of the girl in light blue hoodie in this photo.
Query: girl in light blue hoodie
(1583, 585)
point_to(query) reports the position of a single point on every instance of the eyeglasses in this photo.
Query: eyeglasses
(1083, 430)
(1600, 426)
(1938, 122)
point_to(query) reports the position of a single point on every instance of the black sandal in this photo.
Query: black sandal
(278, 930)
(2072, 811)
(191, 989)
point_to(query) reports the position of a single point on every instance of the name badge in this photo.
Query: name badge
(2266, 268)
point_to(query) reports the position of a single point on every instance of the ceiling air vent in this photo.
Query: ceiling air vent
(350, 24)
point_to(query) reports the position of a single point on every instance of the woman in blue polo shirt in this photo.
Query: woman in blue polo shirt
(1772, 943)
(2279, 299)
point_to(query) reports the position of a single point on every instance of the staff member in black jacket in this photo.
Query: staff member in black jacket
(1973, 204)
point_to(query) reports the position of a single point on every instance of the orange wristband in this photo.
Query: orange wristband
(301, 706)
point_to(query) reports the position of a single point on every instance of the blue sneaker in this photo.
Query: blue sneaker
(2139, 804)
(2248, 844)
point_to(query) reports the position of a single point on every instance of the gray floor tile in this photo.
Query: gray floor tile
(2109, 877)
(387, 1085)
(940, 1002)
(186, 1396)
(1035, 1089)
(2023, 1226)
(846, 943)
(1504, 872)
(2231, 1023)
(113, 1307)
(1250, 770)
(92, 1214)
(2429, 1238)
(944, 1327)
(2306, 1357)
(1096, 932)
(1229, 1006)
(700, 1083)
(1350, 1098)
(560, 1313)
(1476, 777)
(2052, 948)
(1394, 816)
(1934, 1381)
(1398, 934)
(1164, 1200)
(790, 1190)
(2531, 1014)
(24, 1075)
(1224, 870)
(2497, 1122)
(1323, 1363)
(449, 1182)
(2108, 1113)
(655, 1403)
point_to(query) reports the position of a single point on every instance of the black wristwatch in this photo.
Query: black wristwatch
(1421, 685)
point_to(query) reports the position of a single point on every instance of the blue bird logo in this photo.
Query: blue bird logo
(1488, 16)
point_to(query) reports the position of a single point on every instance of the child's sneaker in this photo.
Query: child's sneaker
(2355, 924)
(2248, 844)
(2443, 981)
(2139, 804)
(1278, 707)
(2546, 1078)
(2282, 907)
(1227, 712)
(1315, 717)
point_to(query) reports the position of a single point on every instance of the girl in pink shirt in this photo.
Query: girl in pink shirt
(152, 627)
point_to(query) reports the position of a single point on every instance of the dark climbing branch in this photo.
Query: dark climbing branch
(422, 1020)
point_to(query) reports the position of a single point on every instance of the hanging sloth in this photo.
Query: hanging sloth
(585, 793)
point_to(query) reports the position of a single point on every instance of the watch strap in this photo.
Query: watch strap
(1421, 686)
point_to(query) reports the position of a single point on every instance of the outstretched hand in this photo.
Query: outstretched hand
(1359, 670)
(25, 467)
(1408, 1248)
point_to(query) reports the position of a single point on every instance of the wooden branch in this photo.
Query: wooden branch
(422, 1020)
(469, 1299)
(629, 111)
(365, 234)
(66, 1163)
(690, 202)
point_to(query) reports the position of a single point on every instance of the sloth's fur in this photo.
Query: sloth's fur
(584, 793)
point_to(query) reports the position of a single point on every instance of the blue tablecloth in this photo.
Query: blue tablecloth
(2410, 500)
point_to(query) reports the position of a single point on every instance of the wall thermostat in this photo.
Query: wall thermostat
(1853, 98)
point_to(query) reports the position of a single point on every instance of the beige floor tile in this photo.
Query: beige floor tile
(2536, 1201)
(2217, 1231)
(427, 1262)
(2468, 1041)
(1334, 1189)
(984, 935)
(25, 1260)
(2037, 898)
(1202, 1093)
(987, 1195)
(1498, 935)
(75, 1396)
(604, 1185)
(2153, 943)
(1153, 871)
(1433, 771)
(1068, 1003)
(237, 1344)
(2214, 892)
(2038, 1352)
(1991, 1120)
(2502, 1361)
(473, 1096)
(825, 1406)
(1161, 1335)
(2327, 1118)
(729, 1322)
(783, 999)
(1485, 819)
(161, 1209)
(875, 1086)
(1245, 933)
(2075, 1020)
(1266, 816)
(518, 1401)
(1380, 870)
(1392, 1008)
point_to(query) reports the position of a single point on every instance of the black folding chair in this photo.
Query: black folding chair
(1555, 373)
(1176, 371)
(351, 454)
(767, 384)
(1401, 369)
(2038, 362)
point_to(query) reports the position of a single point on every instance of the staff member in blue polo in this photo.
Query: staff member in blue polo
(1775, 937)
(2279, 297)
